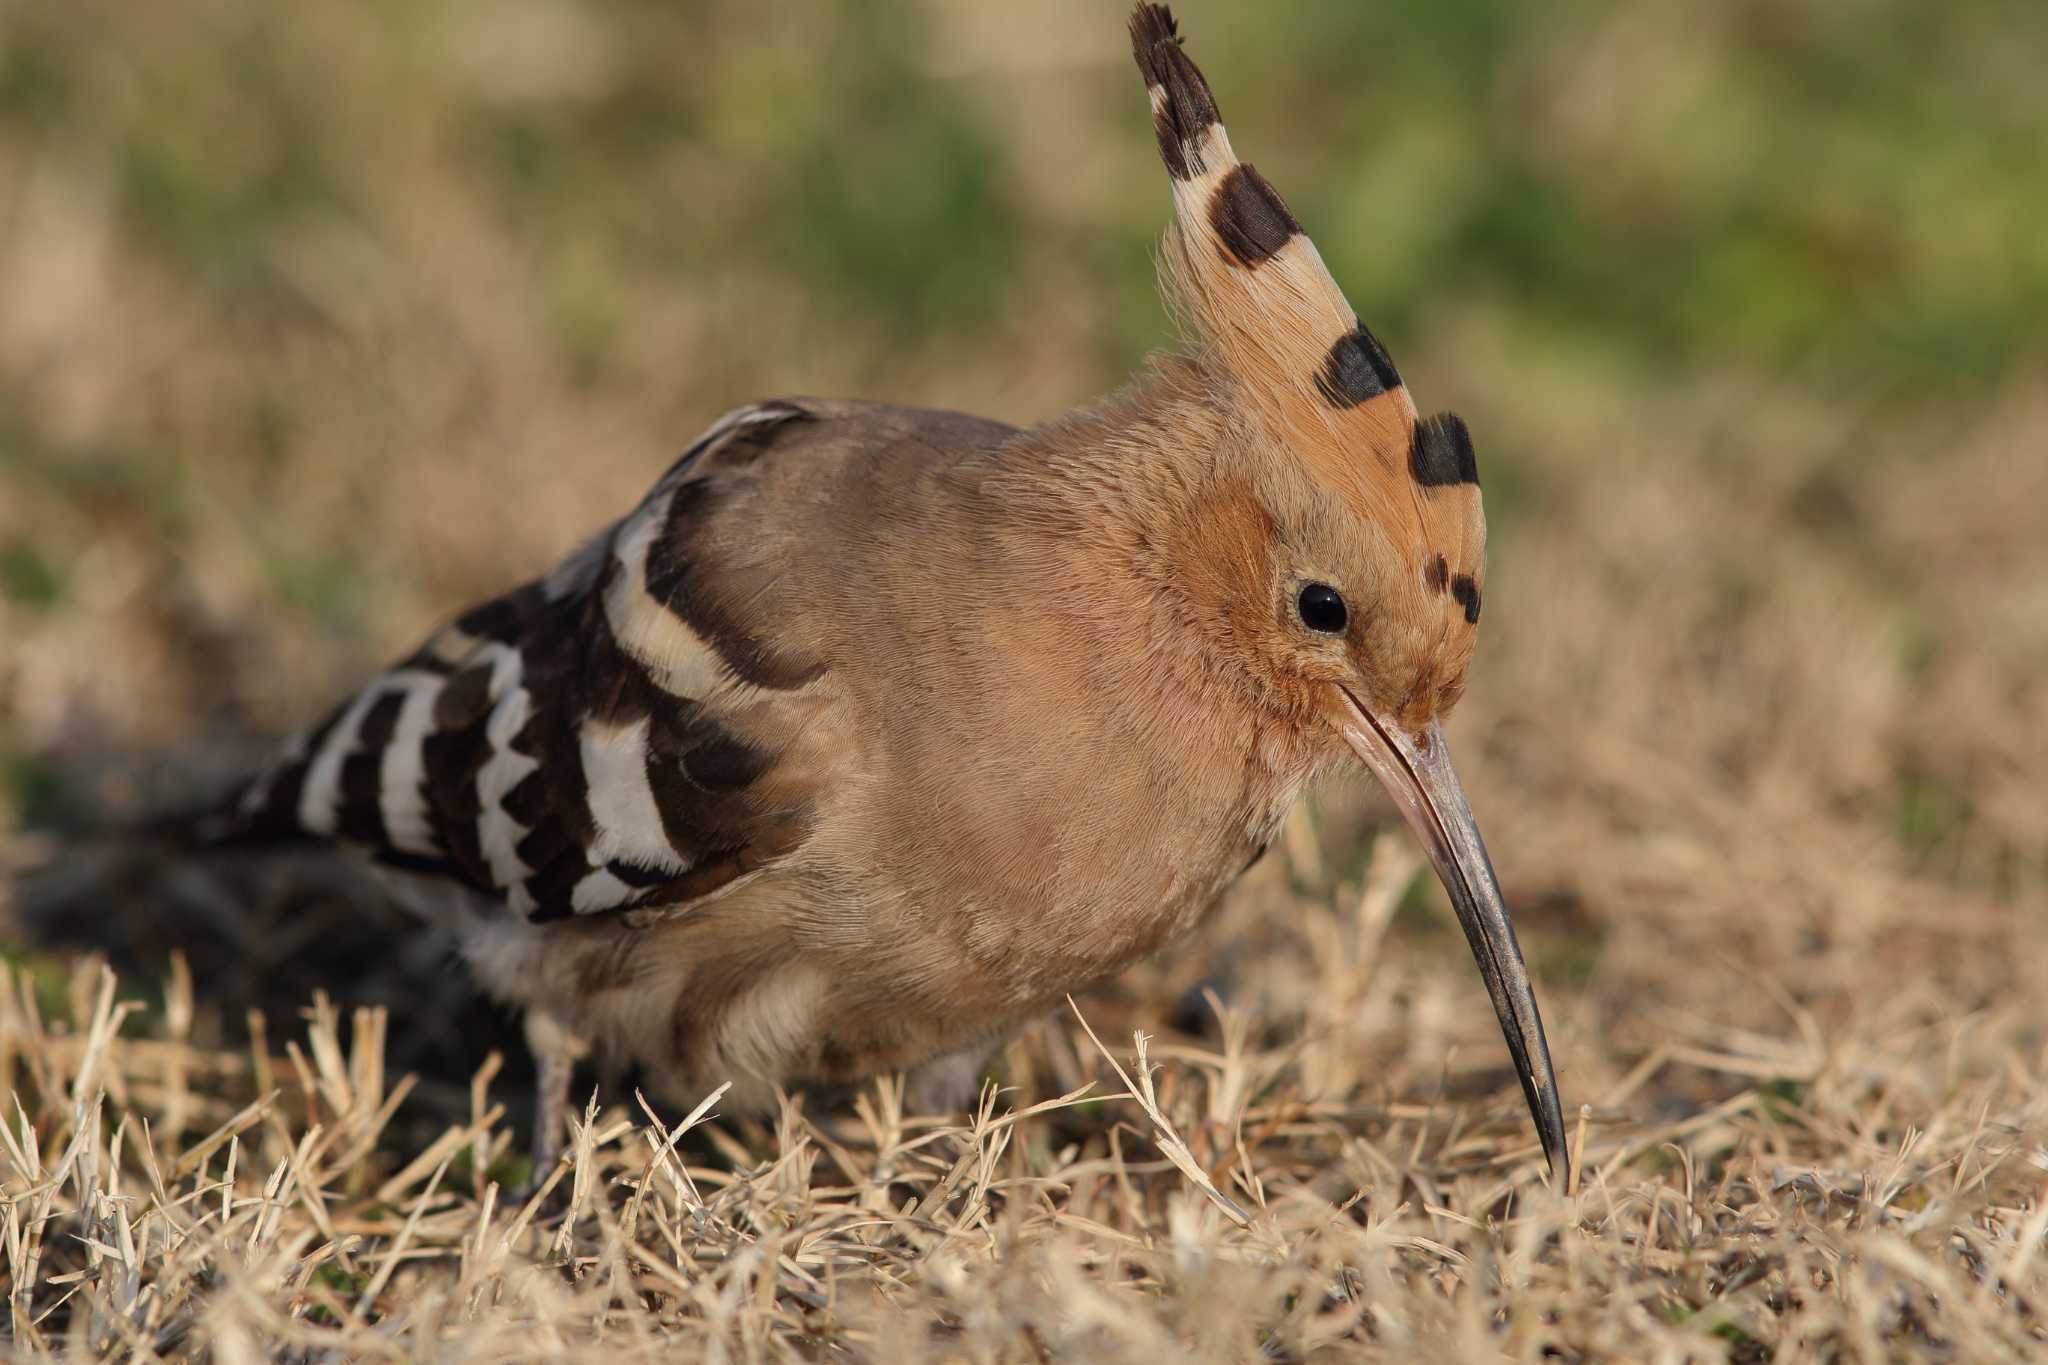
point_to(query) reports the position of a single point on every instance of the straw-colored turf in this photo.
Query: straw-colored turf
(317, 321)
(1871, 1189)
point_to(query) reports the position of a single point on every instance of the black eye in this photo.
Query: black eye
(1322, 609)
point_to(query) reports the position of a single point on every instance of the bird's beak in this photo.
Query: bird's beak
(1416, 771)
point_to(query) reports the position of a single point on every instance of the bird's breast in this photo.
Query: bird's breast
(1041, 868)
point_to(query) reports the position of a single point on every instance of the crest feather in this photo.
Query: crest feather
(1271, 318)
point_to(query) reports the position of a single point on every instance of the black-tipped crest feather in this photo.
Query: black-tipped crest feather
(1188, 107)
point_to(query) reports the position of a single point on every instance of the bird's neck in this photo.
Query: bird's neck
(1127, 517)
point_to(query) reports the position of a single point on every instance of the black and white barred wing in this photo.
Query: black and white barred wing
(590, 742)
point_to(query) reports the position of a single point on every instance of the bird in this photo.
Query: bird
(872, 733)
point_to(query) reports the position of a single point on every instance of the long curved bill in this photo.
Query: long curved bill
(1416, 771)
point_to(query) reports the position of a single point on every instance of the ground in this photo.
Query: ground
(318, 322)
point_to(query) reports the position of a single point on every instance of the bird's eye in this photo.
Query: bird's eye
(1322, 609)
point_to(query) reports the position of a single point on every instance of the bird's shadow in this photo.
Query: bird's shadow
(262, 931)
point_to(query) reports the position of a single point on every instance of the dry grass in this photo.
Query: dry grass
(1755, 732)
(1299, 1192)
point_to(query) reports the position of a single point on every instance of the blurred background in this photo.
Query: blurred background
(321, 320)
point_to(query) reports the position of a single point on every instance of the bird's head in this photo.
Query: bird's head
(1344, 542)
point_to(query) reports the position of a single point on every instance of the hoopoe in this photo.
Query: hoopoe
(872, 732)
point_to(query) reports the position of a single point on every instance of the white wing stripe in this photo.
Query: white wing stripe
(320, 796)
(628, 824)
(498, 834)
(401, 780)
(600, 891)
(680, 661)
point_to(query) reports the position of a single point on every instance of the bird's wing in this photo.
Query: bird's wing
(613, 737)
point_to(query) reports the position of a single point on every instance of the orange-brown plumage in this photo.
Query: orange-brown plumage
(1312, 390)
(872, 732)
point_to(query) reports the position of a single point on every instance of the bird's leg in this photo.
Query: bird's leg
(556, 1050)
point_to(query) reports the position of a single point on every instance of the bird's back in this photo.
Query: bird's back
(624, 733)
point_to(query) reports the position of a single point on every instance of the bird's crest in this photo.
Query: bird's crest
(1298, 362)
